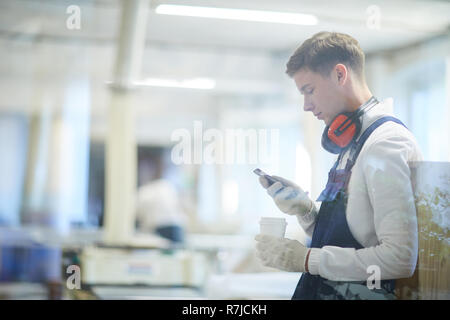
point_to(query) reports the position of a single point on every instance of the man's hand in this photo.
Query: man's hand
(288, 197)
(283, 254)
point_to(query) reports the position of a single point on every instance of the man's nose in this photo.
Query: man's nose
(307, 106)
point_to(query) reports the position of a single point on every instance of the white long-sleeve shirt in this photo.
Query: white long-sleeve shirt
(380, 213)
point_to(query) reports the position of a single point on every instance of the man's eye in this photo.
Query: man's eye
(311, 91)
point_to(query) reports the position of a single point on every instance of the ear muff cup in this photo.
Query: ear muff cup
(337, 141)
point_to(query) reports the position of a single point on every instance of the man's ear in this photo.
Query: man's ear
(341, 73)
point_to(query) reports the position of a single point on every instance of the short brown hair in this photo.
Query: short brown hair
(324, 50)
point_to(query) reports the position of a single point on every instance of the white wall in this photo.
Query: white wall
(417, 78)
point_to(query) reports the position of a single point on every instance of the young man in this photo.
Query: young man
(366, 227)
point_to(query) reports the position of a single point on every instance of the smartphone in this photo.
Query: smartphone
(261, 173)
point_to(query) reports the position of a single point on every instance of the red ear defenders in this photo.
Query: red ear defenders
(344, 128)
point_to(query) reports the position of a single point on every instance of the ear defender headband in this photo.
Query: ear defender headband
(344, 128)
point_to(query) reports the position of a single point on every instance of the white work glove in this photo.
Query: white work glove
(281, 253)
(288, 196)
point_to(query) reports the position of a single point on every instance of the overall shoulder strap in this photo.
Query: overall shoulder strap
(356, 148)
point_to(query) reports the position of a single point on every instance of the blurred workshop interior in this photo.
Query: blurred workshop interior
(110, 186)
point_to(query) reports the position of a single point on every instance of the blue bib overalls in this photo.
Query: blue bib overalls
(331, 229)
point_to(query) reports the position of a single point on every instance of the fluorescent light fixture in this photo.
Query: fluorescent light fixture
(195, 83)
(238, 14)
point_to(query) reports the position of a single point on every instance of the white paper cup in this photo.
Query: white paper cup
(273, 226)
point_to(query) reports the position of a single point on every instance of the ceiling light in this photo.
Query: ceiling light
(195, 83)
(238, 14)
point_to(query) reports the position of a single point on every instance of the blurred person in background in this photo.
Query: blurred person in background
(158, 208)
(367, 223)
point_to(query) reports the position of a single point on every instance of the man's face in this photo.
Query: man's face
(322, 95)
